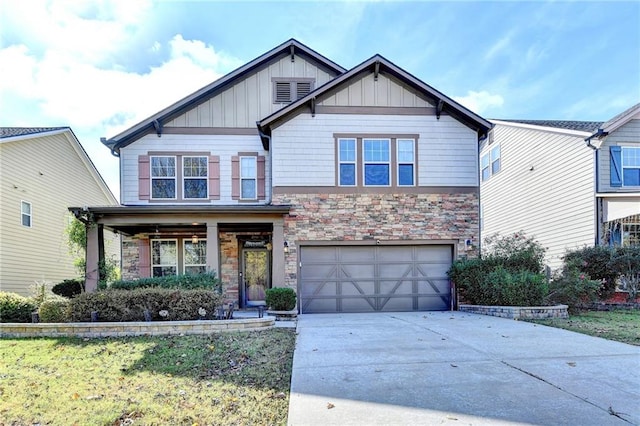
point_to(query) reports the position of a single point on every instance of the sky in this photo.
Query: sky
(100, 67)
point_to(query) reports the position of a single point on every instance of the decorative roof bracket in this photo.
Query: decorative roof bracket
(376, 70)
(158, 126)
(292, 49)
(439, 108)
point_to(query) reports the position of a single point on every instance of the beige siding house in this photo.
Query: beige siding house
(356, 188)
(43, 171)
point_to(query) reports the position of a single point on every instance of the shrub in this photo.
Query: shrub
(129, 305)
(572, 287)
(281, 298)
(626, 263)
(54, 309)
(16, 308)
(594, 262)
(207, 281)
(515, 253)
(69, 288)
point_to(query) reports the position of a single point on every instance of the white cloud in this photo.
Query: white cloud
(480, 102)
(499, 46)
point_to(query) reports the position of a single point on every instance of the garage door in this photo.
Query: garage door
(378, 278)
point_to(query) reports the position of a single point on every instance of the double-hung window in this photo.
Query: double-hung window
(248, 178)
(25, 213)
(406, 162)
(495, 159)
(630, 166)
(164, 257)
(195, 256)
(377, 162)
(163, 177)
(347, 162)
(195, 176)
(490, 163)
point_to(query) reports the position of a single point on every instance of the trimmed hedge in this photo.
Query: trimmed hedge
(16, 308)
(54, 310)
(68, 288)
(207, 281)
(280, 298)
(114, 305)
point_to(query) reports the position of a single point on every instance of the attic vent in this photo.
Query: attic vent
(289, 90)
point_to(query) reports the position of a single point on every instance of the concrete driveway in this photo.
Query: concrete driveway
(432, 368)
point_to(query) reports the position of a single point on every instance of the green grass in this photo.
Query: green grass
(619, 325)
(227, 378)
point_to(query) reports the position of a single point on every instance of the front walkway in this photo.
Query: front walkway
(457, 368)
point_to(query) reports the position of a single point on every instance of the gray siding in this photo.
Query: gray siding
(545, 187)
(626, 135)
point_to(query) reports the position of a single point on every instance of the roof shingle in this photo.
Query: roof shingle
(584, 126)
(8, 132)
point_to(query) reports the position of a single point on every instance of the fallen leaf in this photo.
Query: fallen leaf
(330, 406)
(453, 365)
(75, 396)
(280, 395)
(93, 397)
(571, 364)
(451, 418)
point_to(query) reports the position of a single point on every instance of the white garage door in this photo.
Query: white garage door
(374, 278)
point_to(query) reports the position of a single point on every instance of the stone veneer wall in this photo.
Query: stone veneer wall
(229, 265)
(130, 259)
(518, 312)
(385, 217)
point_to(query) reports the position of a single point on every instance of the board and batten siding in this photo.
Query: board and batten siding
(626, 135)
(48, 172)
(545, 188)
(224, 146)
(304, 149)
(251, 98)
(385, 92)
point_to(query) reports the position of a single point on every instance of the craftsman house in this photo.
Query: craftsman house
(357, 188)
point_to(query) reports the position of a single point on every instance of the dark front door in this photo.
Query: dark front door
(255, 276)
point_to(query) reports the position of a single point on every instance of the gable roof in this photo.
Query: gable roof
(379, 64)
(621, 119)
(582, 126)
(290, 46)
(11, 132)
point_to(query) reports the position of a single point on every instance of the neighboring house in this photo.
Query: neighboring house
(539, 176)
(357, 188)
(43, 171)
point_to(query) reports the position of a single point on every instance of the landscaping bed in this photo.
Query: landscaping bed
(223, 378)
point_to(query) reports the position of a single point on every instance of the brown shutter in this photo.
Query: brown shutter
(143, 177)
(261, 177)
(235, 177)
(214, 177)
(144, 256)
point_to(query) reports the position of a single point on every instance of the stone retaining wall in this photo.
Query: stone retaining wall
(119, 329)
(518, 312)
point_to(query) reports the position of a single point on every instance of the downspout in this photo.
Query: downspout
(599, 134)
(263, 135)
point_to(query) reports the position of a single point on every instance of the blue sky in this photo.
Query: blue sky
(102, 66)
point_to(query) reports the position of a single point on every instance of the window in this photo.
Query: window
(490, 163)
(164, 257)
(195, 256)
(285, 91)
(163, 177)
(25, 213)
(194, 172)
(248, 178)
(347, 160)
(406, 162)
(376, 162)
(630, 166)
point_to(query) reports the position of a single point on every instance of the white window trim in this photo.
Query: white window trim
(493, 160)
(29, 215)
(175, 177)
(399, 163)
(186, 241)
(354, 162)
(185, 178)
(623, 167)
(163, 265)
(255, 178)
(487, 160)
(364, 163)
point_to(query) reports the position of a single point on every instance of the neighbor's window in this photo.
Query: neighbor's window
(490, 163)
(406, 162)
(195, 174)
(347, 162)
(163, 177)
(25, 212)
(495, 159)
(195, 256)
(484, 167)
(164, 257)
(248, 178)
(630, 166)
(376, 162)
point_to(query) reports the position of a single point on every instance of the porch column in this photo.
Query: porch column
(213, 248)
(95, 237)
(277, 255)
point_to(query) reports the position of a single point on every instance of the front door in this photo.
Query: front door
(255, 276)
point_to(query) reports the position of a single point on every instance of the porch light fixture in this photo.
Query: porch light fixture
(194, 239)
(286, 247)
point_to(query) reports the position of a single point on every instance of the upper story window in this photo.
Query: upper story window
(25, 213)
(376, 161)
(163, 177)
(490, 163)
(289, 90)
(248, 172)
(248, 178)
(195, 176)
(625, 166)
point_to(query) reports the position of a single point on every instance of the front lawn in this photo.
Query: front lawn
(620, 325)
(226, 378)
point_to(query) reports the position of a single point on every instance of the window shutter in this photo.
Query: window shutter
(283, 91)
(144, 256)
(235, 177)
(214, 177)
(143, 177)
(303, 88)
(261, 177)
(615, 155)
